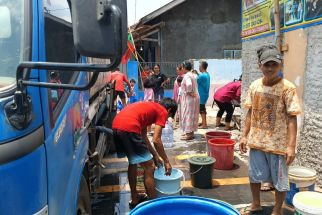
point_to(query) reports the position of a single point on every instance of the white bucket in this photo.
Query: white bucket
(308, 203)
(302, 176)
(301, 179)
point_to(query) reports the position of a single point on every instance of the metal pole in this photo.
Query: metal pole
(277, 24)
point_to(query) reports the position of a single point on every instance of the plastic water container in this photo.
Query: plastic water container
(308, 203)
(184, 205)
(201, 168)
(168, 185)
(119, 106)
(301, 179)
(222, 150)
(217, 134)
(167, 134)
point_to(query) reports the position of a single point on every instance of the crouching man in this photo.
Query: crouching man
(130, 137)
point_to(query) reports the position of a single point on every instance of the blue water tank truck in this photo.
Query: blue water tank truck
(55, 107)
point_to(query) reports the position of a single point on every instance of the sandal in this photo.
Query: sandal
(248, 211)
(187, 137)
(267, 187)
(229, 129)
(142, 198)
(202, 127)
(221, 125)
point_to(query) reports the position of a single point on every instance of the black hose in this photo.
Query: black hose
(104, 129)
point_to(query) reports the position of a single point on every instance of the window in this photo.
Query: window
(237, 54)
(232, 54)
(59, 46)
(14, 39)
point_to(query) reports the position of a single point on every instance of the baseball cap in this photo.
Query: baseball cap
(270, 55)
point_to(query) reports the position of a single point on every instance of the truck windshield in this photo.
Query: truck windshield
(12, 40)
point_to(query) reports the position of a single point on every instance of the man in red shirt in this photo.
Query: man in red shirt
(130, 137)
(119, 78)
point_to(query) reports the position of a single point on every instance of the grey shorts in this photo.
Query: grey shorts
(268, 167)
(132, 146)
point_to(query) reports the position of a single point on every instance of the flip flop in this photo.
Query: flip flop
(142, 198)
(248, 211)
(221, 125)
(266, 188)
(187, 137)
(229, 129)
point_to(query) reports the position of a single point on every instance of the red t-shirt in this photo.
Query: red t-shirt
(229, 92)
(119, 79)
(139, 115)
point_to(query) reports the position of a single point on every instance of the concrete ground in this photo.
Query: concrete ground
(231, 186)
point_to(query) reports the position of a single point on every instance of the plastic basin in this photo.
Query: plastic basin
(186, 205)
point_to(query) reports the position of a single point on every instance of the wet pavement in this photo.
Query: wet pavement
(231, 186)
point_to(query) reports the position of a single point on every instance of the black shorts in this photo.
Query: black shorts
(202, 108)
(132, 146)
(121, 94)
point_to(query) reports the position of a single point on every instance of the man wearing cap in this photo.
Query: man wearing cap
(270, 129)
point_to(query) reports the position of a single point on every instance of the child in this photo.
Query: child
(130, 92)
(179, 81)
(270, 129)
(148, 84)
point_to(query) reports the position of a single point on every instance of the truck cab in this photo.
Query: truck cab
(55, 105)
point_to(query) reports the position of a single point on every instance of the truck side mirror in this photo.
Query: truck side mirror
(100, 27)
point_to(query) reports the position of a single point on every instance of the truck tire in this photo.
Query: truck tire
(84, 201)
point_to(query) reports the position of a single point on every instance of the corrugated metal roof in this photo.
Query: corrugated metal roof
(159, 12)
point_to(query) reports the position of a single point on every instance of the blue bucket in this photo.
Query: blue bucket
(186, 205)
(168, 185)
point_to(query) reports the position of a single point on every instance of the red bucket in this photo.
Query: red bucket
(222, 149)
(217, 134)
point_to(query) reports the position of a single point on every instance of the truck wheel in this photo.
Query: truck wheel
(84, 201)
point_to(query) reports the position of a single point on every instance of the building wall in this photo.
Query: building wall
(310, 146)
(310, 129)
(200, 29)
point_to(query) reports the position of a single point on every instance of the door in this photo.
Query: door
(66, 139)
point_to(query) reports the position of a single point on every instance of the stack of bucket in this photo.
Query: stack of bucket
(221, 147)
(301, 179)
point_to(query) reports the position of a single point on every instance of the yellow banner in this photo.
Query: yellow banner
(258, 15)
(255, 20)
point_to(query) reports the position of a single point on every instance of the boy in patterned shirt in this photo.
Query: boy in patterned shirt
(270, 129)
